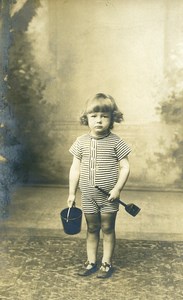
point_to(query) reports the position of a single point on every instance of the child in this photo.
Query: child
(99, 159)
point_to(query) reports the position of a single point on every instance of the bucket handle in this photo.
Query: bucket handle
(68, 213)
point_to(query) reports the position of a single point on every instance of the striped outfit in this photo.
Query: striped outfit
(99, 166)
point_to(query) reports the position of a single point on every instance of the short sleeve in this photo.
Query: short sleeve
(122, 149)
(75, 150)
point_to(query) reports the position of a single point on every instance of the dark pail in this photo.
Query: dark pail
(72, 224)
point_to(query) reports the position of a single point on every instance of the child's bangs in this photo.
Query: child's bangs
(99, 105)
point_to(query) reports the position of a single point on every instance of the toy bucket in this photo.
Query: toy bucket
(71, 220)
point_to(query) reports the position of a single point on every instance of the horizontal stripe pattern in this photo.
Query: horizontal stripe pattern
(99, 166)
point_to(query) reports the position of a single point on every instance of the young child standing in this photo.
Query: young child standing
(100, 158)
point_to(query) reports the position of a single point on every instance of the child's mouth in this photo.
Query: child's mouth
(98, 127)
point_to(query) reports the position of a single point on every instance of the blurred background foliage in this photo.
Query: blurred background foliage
(10, 146)
(27, 82)
(170, 110)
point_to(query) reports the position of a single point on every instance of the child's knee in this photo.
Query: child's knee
(93, 228)
(107, 229)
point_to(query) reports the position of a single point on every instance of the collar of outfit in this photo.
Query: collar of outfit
(99, 137)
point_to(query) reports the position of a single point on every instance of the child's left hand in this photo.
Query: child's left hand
(114, 195)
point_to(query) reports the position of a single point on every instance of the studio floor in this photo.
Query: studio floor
(39, 261)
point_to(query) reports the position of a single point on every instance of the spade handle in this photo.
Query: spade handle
(107, 194)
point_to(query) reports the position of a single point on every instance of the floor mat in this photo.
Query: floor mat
(44, 267)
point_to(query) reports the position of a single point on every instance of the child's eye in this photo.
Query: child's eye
(105, 116)
(93, 116)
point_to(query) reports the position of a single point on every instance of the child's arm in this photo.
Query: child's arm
(123, 176)
(73, 181)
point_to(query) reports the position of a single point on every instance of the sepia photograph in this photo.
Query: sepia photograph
(91, 149)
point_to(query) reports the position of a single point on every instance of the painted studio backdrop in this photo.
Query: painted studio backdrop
(62, 52)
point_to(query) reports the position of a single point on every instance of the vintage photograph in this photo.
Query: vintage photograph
(91, 149)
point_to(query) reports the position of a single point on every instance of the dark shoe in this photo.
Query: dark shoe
(105, 271)
(87, 269)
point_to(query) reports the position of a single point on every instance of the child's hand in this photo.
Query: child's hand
(71, 200)
(114, 195)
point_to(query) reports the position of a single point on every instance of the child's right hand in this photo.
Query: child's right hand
(71, 200)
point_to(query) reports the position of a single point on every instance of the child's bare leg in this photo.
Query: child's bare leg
(93, 235)
(109, 237)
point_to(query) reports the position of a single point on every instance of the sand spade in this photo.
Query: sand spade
(131, 208)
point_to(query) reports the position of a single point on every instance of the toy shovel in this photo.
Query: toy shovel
(131, 208)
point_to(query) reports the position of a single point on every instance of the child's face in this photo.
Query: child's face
(99, 123)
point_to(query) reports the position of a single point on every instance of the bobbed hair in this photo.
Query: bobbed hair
(102, 103)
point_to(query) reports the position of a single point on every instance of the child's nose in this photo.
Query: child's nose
(99, 119)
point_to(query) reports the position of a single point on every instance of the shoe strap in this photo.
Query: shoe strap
(87, 263)
(106, 265)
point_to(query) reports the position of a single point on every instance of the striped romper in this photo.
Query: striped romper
(99, 166)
